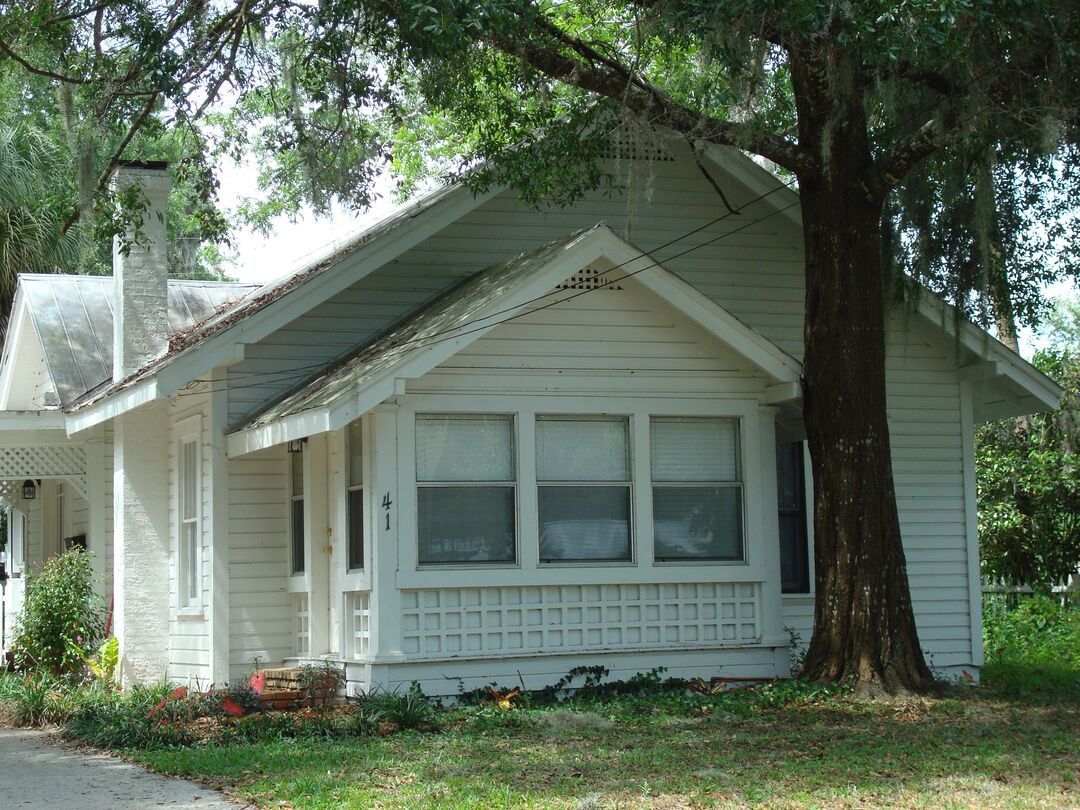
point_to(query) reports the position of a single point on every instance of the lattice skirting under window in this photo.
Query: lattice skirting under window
(448, 622)
(360, 617)
(302, 625)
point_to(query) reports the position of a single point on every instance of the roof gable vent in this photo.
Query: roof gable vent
(590, 278)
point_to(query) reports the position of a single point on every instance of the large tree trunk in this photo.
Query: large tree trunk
(864, 627)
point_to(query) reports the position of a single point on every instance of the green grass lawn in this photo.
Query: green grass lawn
(970, 749)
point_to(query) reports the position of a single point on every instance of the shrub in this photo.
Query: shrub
(1033, 650)
(410, 709)
(61, 616)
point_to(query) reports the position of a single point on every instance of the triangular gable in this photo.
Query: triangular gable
(473, 308)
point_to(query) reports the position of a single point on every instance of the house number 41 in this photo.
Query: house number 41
(386, 504)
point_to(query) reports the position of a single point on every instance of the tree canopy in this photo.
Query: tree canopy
(849, 99)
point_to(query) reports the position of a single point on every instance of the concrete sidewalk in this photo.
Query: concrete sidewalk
(36, 773)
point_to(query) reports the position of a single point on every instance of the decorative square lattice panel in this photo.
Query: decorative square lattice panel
(450, 622)
(302, 626)
(44, 461)
(360, 612)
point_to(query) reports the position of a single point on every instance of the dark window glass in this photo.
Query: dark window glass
(465, 524)
(697, 523)
(791, 500)
(356, 528)
(298, 535)
(584, 523)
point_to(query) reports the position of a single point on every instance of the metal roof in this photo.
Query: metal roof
(73, 319)
(453, 313)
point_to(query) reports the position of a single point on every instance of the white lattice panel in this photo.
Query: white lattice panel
(44, 461)
(360, 612)
(302, 626)
(444, 622)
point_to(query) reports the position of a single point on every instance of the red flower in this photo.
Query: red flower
(178, 692)
(258, 683)
(231, 707)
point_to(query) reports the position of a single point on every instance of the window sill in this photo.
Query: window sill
(190, 614)
(467, 566)
(587, 564)
(696, 563)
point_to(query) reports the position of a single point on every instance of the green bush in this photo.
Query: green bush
(1033, 650)
(61, 616)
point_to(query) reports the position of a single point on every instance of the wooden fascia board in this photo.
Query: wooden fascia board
(363, 261)
(221, 348)
(705, 312)
(421, 360)
(112, 406)
(1010, 365)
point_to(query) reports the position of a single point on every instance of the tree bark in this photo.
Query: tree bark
(864, 626)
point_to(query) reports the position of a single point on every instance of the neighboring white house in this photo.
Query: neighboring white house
(482, 440)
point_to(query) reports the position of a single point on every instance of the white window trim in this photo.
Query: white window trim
(187, 431)
(529, 571)
(630, 484)
(739, 483)
(414, 486)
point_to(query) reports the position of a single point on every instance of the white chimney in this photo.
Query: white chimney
(140, 293)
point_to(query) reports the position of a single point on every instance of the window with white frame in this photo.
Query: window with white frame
(354, 497)
(583, 488)
(296, 510)
(188, 497)
(697, 489)
(465, 489)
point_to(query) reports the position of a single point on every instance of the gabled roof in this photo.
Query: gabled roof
(73, 319)
(472, 308)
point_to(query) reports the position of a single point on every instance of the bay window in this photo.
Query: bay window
(697, 491)
(466, 489)
(583, 488)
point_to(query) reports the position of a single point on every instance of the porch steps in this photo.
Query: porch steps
(283, 690)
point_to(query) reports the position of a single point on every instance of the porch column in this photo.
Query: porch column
(141, 542)
(218, 523)
(772, 603)
(385, 605)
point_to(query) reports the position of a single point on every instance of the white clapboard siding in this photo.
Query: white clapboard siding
(260, 609)
(761, 262)
(189, 635)
(625, 341)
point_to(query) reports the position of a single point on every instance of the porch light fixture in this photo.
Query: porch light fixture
(296, 445)
(29, 490)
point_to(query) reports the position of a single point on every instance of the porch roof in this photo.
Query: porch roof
(35, 444)
(73, 319)
(462, 314)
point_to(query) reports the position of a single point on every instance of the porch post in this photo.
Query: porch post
(772, 603)
(385, 605)
(141, 542)
(218, 609)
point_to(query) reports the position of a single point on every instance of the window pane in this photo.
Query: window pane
(189, 480)
(697, 523)
(584, 523)
(582, 449)
(191, 543)
(296, 469)
(694, 450)
(356, 447)
(356, 528)
(298, 536)
(465, 524)
(464, 448)
(791, 499)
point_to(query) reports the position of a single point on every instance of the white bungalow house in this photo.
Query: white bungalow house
(481, 441)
